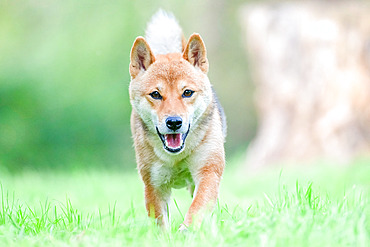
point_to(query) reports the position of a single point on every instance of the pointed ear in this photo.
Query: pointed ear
(195, 52)
(141, 57)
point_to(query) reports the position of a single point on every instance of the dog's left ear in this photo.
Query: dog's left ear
(141, 57)
(195, 52)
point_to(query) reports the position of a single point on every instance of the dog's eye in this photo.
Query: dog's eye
(156, 95)
(187, 93)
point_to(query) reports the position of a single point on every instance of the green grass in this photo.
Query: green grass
(321, 205)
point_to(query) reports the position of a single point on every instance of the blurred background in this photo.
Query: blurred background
(64, 78)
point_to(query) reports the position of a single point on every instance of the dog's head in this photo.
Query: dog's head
(170, 92)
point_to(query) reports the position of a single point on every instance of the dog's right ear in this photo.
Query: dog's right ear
(195, 53)
(141, 57)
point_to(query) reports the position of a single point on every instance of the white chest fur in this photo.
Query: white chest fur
(171, 175)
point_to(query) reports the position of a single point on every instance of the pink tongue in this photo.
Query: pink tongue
(173, 140)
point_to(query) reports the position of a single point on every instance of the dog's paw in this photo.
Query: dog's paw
(183, 228)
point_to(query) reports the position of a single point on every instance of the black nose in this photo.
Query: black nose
(174, 123)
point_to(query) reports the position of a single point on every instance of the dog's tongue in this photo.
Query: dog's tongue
(173, 140)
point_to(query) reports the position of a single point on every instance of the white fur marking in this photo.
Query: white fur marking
(170, 175)
(164, 34)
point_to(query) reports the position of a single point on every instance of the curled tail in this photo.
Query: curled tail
(164, 34)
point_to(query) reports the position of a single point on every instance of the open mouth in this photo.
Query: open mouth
(173, 143)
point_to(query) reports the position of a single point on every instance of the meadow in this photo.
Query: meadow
(324, 204)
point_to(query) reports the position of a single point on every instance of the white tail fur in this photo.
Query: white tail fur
(163, 33)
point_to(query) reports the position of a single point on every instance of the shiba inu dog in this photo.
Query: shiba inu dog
(177, 123)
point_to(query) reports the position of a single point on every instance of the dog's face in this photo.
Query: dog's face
(170, 92)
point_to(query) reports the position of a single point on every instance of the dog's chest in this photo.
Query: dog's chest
(175, 176)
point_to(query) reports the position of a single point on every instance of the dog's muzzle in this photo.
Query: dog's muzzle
(173, 142)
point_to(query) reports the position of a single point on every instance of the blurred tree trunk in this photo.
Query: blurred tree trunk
(311, 68)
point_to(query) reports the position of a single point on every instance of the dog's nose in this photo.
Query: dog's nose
(174, 123)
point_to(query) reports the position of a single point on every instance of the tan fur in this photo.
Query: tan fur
(202, 161)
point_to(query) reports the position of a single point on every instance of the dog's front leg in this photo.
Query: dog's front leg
(156, 202)
(205, 197)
